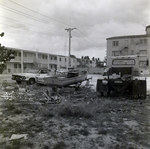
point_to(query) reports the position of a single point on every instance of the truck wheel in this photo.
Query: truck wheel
(18, 82)
(143, 96)
(31, 81)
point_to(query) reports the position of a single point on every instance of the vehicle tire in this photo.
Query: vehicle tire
(19, 82)
(143, 96)
(31, 81)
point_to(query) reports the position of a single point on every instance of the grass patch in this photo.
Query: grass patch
(77, 111)
(84, 132)
(60, 145)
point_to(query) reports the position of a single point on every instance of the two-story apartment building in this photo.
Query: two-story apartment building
(130, 45)
(25, 59)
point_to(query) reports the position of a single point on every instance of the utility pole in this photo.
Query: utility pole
(69, 30)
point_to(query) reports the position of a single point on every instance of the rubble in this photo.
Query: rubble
(82, 119)
(18, 136)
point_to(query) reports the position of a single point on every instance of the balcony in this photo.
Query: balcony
(16, 59)
(28, 59)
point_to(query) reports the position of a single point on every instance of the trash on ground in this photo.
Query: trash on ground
(18, 136)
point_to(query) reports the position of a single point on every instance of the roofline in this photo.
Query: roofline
(17, 49)
(129, 36)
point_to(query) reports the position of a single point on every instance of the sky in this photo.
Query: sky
(40, 25)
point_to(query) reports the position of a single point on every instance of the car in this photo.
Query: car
(29, 76)
(52, 73)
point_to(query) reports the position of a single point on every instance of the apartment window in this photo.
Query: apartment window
(55, 58)
(142, 64)
(65, 60)
(132, 52)
(143, 52)
(15, 53)
(115, 53)
(19, 54)
(51, 58)
(45, 56)
(25, 54)
(115, 43)
(132, 42)
(60, 59)
(143, 41)
(19, 65)
(15, 65)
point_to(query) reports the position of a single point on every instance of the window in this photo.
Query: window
(132, 52)
(15, 53)
(15, 65)
(115, 53)
(142, 64)
(60, 59)
(115, 43)
(55, 58)
(143, 52)
(19, 54)
(25, 54)
(51, 58)
(19, 65)
(143, 41)
(132, 42)
(65, 60)
(126, 43)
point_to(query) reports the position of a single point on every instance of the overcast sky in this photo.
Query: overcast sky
(40, 24)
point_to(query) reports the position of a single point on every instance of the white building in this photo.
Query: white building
(130, 45)
(25, 59)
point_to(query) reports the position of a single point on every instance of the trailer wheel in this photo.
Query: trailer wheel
(31, 81)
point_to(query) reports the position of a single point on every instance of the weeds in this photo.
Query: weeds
(60, 145)
(78, 111)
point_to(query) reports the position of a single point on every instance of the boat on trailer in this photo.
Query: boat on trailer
(73, 77)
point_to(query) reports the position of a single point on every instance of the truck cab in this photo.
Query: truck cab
(122, 76)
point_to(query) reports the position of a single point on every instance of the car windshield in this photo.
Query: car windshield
(32, 71)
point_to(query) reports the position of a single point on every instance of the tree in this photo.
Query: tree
(5, 55)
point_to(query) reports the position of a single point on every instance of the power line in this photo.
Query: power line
(23, 14)
(25, 29)
(38, 13)
(48, 29)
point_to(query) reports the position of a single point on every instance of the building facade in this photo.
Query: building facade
(130, 45)
(25, 59)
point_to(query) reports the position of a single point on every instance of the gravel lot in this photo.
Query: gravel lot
(83, 120)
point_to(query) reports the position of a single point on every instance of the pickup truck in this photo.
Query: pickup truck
(29, 76)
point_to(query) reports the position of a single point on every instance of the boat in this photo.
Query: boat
(73, 77)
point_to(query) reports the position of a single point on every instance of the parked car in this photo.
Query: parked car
(29, 76)
(52, 73)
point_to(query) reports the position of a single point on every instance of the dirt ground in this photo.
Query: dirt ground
(81, 120)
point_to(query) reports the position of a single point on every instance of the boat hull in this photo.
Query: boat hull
(64, 81)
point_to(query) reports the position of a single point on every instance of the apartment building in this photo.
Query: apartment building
(130, 45)
(25, 59)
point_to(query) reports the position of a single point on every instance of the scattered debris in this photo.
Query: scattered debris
(18, 136)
